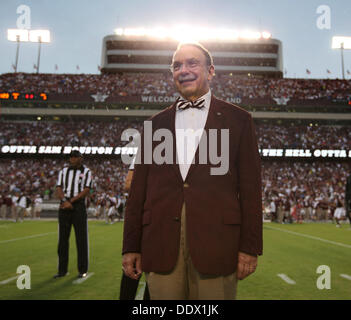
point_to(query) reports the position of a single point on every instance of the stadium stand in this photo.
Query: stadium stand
(307, 188)
(136, 84)
(108, 133)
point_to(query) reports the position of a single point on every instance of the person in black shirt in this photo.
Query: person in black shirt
(73, 185)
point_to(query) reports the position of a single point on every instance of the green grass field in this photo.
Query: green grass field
(295, 250)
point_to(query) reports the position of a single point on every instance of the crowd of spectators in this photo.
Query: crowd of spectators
(74, 133)
(314, 188)
(159, 84)
(304, 136)
(108, 133)
(39, 176)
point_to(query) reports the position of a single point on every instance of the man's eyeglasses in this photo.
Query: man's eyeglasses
(190, 64)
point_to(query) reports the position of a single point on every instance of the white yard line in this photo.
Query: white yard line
(140, 294)
(346, 276)
(8, 280)
(286, 278)
(312, 237)
(25, 238)
(80, 280)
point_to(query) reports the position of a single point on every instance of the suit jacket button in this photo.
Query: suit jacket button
(176, 219)
(186, 185)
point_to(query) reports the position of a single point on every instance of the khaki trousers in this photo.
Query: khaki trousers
(184, 282)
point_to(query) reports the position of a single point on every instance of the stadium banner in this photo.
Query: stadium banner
(66, 150)
(305, 153)
(100, 150)
(124, 97)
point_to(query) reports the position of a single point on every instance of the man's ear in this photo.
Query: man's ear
(211, 73)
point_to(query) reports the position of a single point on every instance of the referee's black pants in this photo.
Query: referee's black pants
(78, 218)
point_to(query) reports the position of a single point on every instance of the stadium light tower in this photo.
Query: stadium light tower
(18, 35)
(24, 35)
(341, 43)
(40, 36)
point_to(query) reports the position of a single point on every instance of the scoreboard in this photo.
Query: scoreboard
(23, 96)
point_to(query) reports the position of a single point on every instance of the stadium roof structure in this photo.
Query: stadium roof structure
(254, 55)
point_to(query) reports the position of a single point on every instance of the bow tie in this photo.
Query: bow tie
(183, 104)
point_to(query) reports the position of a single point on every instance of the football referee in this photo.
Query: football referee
(73, 185)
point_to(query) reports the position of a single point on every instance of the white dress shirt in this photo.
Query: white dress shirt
(189, 126)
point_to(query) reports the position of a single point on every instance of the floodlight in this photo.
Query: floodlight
(251, 35)
(158, 32)
(135, 32)
(189, 33)
(119, 31)
(341, 42)
(17, 35)
(266, 35)
(24, 35)
(39, 36)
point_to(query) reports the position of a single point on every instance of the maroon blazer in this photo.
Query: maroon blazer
(224, 212)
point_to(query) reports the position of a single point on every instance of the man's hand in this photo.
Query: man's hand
(66, 205)
(246, 265)
(131, 263)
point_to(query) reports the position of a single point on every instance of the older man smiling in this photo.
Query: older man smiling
(195, 233)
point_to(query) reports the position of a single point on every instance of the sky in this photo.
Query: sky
(78, 26)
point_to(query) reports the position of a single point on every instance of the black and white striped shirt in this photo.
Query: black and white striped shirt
(74, 180)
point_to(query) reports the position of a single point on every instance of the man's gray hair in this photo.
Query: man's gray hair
(208, 56)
